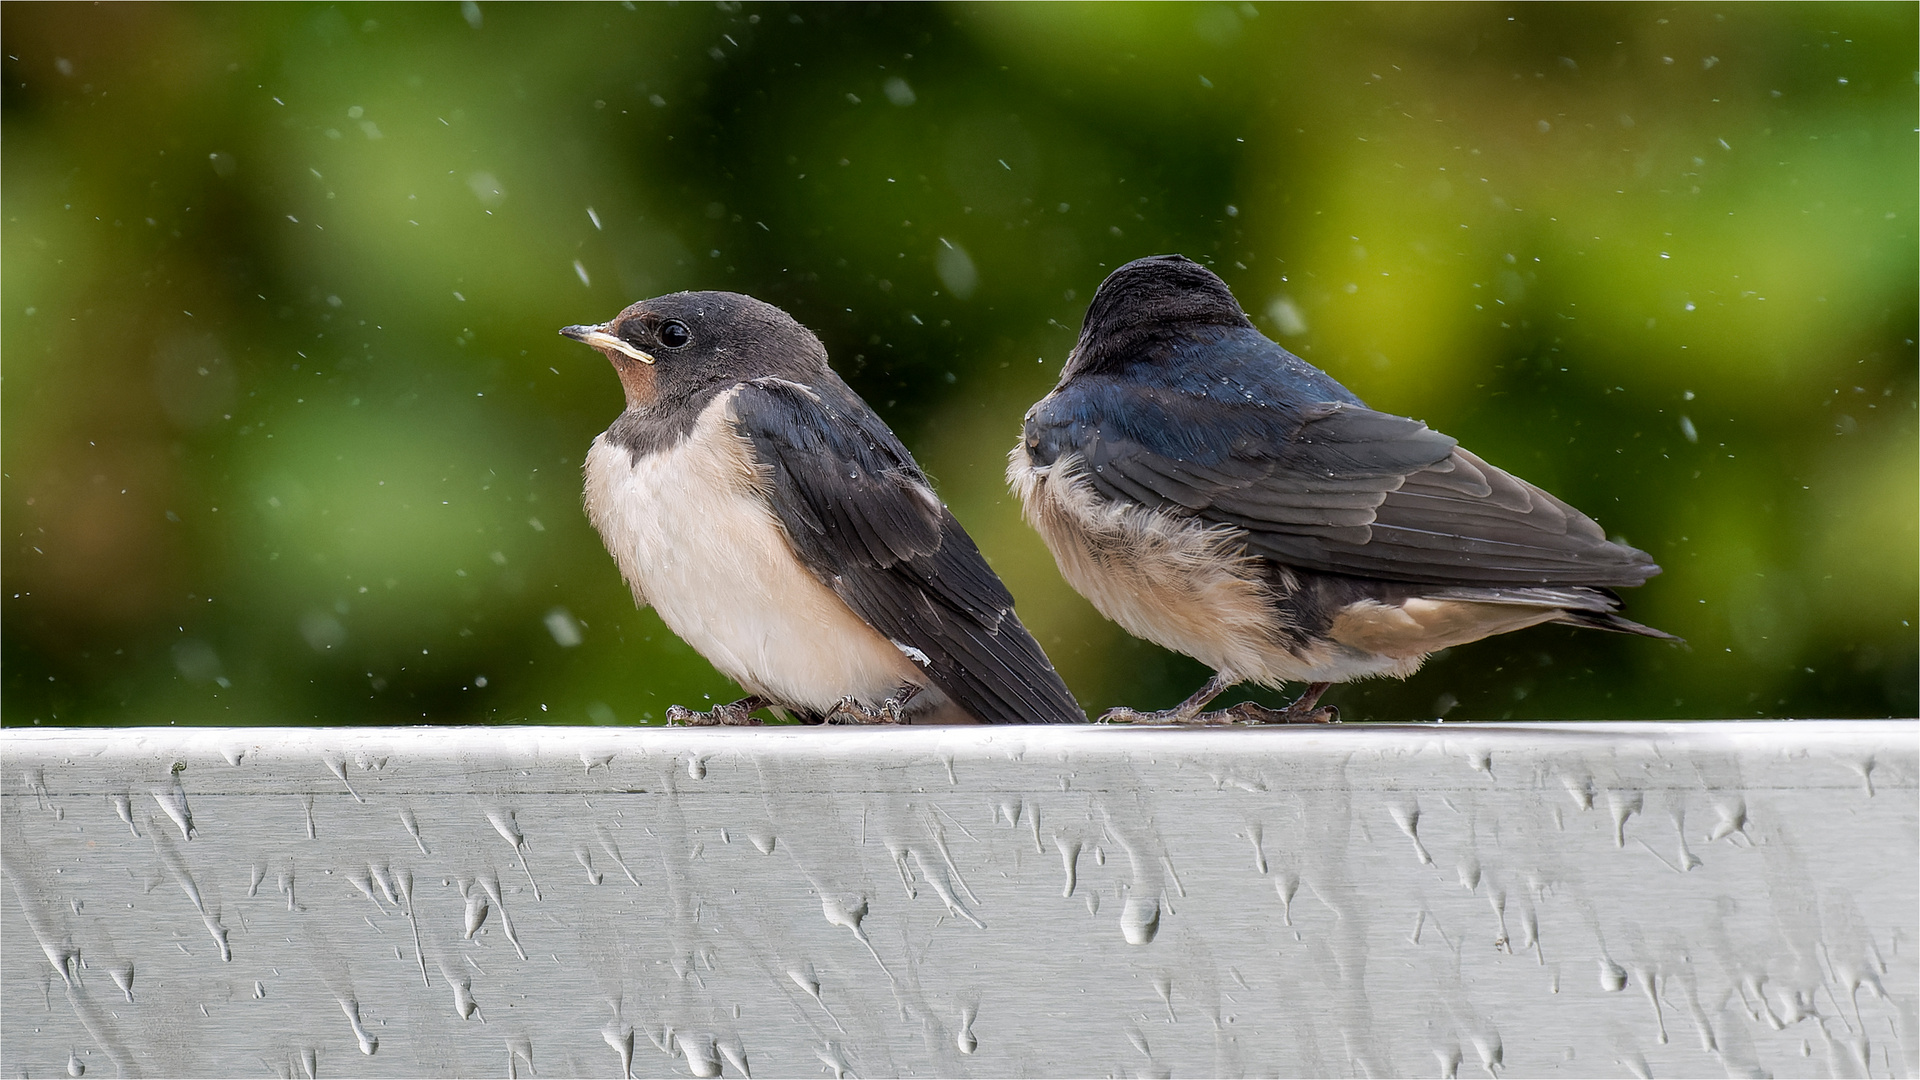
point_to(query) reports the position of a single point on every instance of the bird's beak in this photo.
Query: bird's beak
(598, 337)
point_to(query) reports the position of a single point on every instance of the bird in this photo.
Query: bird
(778, 526)
(1217, 495)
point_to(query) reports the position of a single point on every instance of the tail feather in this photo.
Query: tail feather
(1593, 608)
(1606, 620)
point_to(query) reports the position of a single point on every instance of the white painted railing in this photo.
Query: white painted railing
(1579, 899)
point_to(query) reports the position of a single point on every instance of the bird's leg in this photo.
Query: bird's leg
(1187, 712)
(854, 713)
(891, 708)
(736, 714)
(1301, 711)
(888, 713)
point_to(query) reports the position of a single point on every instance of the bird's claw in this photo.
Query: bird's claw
(1248, 713)
(891, 710)
(1245, 713)
(1162, 717)
(856, 713)
(849, 711)
(734, 714)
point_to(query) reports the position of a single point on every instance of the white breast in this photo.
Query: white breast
(695, 537)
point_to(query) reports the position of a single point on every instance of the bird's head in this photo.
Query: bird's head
(1148, 302)
(671, 347)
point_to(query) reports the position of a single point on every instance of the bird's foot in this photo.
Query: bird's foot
(734, 714)
(1302, 711)
(1187, 712)
(849, 711)
(889, 712)
(1244, 713)
(1124, 715)
(1248, 713)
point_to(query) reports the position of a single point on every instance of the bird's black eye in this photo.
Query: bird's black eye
(674, 333)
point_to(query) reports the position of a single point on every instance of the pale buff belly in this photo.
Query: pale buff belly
(696, 540)
(1180, 584)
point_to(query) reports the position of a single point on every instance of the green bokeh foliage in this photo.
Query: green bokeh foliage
(289, 436)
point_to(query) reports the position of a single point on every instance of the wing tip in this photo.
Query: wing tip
(1606, 620)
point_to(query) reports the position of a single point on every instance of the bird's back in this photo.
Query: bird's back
(1228, 428)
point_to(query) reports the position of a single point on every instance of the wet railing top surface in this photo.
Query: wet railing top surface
(1387, 899)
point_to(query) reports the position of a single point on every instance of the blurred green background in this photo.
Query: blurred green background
(289, 436)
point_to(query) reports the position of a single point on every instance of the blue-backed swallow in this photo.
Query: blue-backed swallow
(1217, 495)
(778, 526)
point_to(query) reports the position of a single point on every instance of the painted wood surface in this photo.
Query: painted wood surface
(1574, 899)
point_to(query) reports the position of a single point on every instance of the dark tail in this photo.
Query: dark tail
(1606, 620)
(1579, 605)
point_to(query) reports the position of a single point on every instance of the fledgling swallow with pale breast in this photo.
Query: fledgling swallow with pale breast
(777, 526)
(1217, 495)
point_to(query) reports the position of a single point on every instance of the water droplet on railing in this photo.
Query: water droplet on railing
(383, 877)
(736, 1054)
(173, 801)
(619, 1036)
(122, 974)
(699, 1052)
(1069, 862)
(809, 983)
(123, 806)
(368, 1044)
(1407, 816)
(476, 912)
(521, 1047)
(605, 836)
(412, 825)
(1613, 977)
(1140, 918)
(1286, 885)
(585, 859)
(1622, 805)
(338, 767)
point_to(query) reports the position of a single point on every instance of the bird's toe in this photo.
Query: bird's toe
(848, 710)
(1249, 713)
(733, 714)
(1163, 717)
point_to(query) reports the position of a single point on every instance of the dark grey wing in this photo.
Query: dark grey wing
(863, 519)
(1331, 486)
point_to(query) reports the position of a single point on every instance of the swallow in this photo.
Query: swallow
(777, 526)
(1218, 496)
